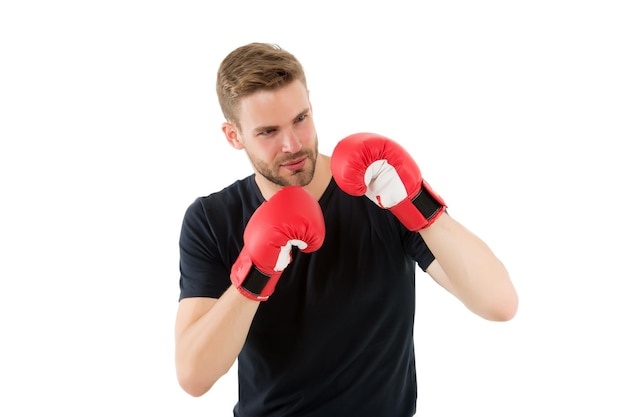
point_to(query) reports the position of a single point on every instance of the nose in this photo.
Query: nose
(291, 142)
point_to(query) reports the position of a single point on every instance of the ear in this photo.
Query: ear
(232, 135)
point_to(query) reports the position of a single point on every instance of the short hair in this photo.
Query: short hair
(253, 67)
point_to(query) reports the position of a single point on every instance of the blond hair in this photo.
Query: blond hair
(253, 67)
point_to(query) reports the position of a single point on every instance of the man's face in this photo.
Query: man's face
(278, 134)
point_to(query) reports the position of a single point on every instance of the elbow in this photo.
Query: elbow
(193, 385)
(504, 309)
(505, 313)
(193, 389)
(502, 299)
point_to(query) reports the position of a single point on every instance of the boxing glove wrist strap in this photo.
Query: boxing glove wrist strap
(254, 283)
(427, 204)
(421, 211)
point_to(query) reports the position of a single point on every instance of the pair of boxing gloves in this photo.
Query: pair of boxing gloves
(362, 164)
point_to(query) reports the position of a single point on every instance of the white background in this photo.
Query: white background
(109, 128)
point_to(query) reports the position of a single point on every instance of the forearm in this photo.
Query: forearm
(472, 272)
(207, 349)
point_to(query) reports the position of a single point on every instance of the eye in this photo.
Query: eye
(301, 118)
(266, 132)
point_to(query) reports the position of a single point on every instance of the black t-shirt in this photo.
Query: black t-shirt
(336, 337)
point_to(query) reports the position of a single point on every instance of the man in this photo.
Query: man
(305, 270)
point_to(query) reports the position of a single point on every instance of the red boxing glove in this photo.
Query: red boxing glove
(292, 217)
(375, 166)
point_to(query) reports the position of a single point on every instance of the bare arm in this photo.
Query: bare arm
(467, 268)
(209, 335)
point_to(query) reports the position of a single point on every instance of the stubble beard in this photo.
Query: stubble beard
(300, 177)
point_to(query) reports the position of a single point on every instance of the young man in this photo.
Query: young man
(305, 270)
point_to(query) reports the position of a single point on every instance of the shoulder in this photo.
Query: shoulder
(238, 194)
(231, 205)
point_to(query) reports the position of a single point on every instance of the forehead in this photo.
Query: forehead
(273, 107)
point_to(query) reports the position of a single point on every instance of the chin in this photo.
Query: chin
(299, 182)
(304, 178)
(299, 178)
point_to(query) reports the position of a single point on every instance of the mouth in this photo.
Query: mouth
(295, 164)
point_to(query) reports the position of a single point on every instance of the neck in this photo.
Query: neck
(321, 178)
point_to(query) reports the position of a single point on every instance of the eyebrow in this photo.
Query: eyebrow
(275, 127)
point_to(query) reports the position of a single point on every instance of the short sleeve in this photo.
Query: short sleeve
(203, 273)
(418, 250)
